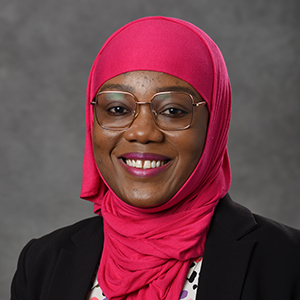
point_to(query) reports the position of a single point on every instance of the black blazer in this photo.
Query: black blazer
(246, 257)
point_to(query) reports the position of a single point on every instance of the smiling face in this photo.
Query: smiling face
(144, 165)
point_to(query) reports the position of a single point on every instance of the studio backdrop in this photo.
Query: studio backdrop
(47, 49)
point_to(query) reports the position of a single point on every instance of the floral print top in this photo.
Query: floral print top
(189, 290)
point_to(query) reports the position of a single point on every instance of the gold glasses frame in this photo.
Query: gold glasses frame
(153, 112)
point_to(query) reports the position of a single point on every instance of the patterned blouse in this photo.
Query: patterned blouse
(189, 289)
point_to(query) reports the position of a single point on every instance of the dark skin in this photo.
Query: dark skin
(183, 149)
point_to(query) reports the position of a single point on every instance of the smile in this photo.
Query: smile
(144, 164)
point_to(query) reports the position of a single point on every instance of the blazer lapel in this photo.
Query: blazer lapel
(76, 266)
(227, 254)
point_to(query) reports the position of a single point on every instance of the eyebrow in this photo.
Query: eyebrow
(130, 89)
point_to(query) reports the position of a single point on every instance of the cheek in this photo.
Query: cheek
(103, 144)
(190, 146)
(191, 143)
(98, 148)
(191, 149)
(101, 155)
(198, 133)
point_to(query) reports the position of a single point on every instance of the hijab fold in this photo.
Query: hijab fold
(147, 251)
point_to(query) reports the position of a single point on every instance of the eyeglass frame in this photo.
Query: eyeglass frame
(136, 112)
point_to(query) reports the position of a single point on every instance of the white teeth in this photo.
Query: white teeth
(146, 165)
(138, 164)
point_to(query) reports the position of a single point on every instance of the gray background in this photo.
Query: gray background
(47, 48)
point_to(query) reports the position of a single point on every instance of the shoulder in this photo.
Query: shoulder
(38, 259)
(276, 233)
(276, 246)
(240, 223)
(273, 243)
(66, 237)
(260, 254)
(58, 235)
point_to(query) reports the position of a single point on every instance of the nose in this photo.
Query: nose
(143, 129)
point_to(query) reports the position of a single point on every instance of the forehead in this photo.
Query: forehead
(146, 81)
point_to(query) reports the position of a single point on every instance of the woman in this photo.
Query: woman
(156, 168)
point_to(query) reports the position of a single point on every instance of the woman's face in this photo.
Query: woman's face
(178, 152)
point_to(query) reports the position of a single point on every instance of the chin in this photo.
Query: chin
(145, 203)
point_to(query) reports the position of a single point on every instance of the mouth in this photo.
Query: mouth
(144, 164)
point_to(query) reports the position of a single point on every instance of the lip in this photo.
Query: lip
(144, 173)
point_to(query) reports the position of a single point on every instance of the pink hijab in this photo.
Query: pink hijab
(147, 252)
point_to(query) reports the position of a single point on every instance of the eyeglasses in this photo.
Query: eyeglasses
(116, 110)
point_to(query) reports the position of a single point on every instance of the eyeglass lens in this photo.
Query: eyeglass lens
(170, 110)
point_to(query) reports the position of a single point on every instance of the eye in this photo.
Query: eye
(117, 109)
(173, 112)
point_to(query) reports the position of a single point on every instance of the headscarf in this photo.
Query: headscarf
(147, 251)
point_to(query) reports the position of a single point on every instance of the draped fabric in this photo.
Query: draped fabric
(147, 252)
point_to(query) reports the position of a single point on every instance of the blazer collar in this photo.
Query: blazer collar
(227, 252)
(83, 251)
